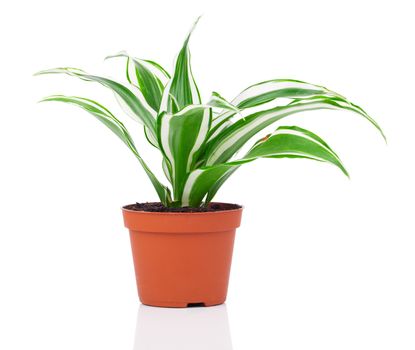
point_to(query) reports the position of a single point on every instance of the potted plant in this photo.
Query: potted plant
(182, 245)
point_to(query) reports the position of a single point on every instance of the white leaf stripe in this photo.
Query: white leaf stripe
(189, 186)
(201, 137)
(164, 138)
(165, 99)
(166, 169)
(222, 117)
(219, 124)
(219, 128)
(152, 140)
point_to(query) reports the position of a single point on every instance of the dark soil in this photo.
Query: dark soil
(158, 207)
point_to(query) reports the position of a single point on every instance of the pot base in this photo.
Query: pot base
(169, 304)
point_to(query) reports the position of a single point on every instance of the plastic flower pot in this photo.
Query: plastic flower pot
(182, 259)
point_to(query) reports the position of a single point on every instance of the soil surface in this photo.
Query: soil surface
(159, 207)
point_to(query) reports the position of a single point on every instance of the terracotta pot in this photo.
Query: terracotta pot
(182, 259)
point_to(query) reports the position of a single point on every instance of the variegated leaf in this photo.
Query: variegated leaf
(182, 90)
(270, 90)
(150, 78)
(118, 128)
(133, 103)
(218, 101)
(286, 142)
(197, 148)
(181, 137)
(267, 91)
(228, 142)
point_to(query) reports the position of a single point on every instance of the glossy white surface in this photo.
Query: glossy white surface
(184, 329)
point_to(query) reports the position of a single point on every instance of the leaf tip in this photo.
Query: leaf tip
(384, 138)
(192, 29)
(345, 172)
(38, 73)
(122, 53)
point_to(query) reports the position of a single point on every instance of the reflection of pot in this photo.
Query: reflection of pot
(182, 329)
(182, 259)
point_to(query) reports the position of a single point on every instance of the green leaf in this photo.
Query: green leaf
(218, 184)
(152, 139)
(222, 120)
(182, 90)
(181, 137)
(151, 87)
(219, 102)
(293, 141)
(200, 142)
(230, 140)
(148, 76)
(133, 104)
(118, 128)
(270, 90)
(166, 169)
(159, 67)
(285, 142)
(219, 123)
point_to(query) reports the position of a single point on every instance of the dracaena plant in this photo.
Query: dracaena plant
(200, 142)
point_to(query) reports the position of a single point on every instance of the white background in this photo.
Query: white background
(320, 262)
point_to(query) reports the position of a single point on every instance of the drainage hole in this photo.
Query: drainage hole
(196, 304)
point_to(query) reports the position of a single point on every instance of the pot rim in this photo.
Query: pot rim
(183, 213)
